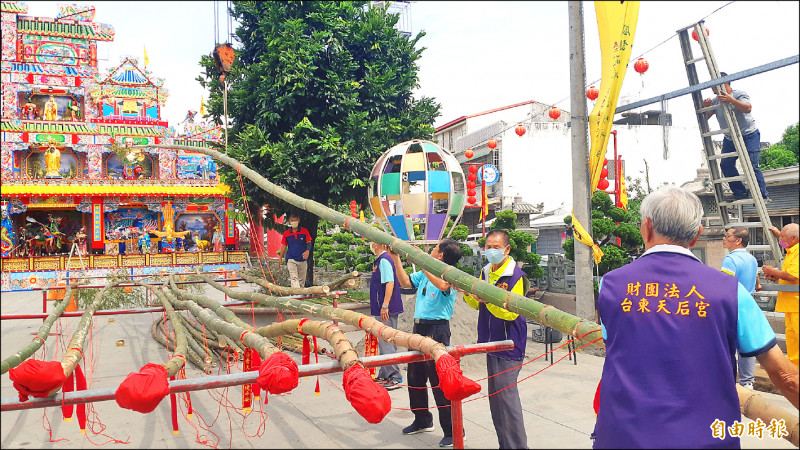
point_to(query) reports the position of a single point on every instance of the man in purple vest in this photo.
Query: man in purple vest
(385, 305)
(498, 324)
(672, 326)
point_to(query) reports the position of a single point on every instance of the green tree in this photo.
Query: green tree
(609, 223)
(520, 242)
(317, 92)
(784, 153)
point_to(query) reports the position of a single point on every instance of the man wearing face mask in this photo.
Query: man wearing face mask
(386, 306)
(498, 324)
(432, 312)
(787, 301)
(296, 243)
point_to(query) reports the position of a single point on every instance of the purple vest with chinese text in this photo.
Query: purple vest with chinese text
(669, 372)
(492, 328)
(377, 290)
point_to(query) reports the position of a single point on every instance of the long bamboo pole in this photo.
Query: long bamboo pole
(178, 360)
(325, 289)
(586, 330)
(342, 348)
(38, 340)
(362, 321)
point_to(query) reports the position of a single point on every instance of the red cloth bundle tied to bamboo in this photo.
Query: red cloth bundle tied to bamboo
(37, 378)
(455, 386)
(369, 398)
(142, 391)
(278, 374)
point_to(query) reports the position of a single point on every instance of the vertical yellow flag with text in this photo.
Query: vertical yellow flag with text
(616, 24)
(623, 193)
(146, 59)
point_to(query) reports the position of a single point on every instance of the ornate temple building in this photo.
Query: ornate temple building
(69, 174)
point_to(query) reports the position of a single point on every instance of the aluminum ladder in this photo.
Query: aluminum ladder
(712, 159)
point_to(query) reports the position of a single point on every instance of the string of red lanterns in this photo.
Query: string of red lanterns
(471, 178)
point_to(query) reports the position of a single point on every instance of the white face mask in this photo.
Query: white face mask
(294, 224)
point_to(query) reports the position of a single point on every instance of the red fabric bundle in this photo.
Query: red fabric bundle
(596, 402)
(452, 381)
(369, 398)
(37, 378)
(278, 374)
(142, 391)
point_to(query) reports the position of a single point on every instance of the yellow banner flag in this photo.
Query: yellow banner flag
(582, 236)
(616, 24)
(484, 204)
(623, 194)
(202, 107)
(146, 59)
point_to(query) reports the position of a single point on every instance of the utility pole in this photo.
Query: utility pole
(581, 191)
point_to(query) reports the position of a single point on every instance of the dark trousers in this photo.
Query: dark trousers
(728, 165)
(420, 373)
(505, 405)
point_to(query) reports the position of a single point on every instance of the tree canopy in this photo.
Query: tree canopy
(609, 223)
(783, 154)
(317, 92)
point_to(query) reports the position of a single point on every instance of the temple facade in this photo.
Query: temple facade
(75, 193)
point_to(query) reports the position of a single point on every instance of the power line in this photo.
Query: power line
(655, 47)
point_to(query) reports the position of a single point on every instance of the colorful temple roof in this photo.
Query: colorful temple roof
(81, 128)
(14, 7)
(65, 28)
(30, 190)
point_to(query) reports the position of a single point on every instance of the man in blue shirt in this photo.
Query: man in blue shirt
(744, 267)
(432, 312)
(295, 246)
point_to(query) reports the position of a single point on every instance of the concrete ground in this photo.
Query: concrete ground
(557, 402)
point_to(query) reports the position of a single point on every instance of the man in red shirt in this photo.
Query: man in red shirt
(295, 246)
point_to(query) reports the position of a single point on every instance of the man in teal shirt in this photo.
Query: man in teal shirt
(432, 312)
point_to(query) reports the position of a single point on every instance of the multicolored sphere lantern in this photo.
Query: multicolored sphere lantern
(414, 189)
(554, 113)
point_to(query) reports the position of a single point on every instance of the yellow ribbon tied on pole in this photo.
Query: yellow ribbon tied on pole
(584, 237)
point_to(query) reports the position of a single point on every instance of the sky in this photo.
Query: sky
(483, 55)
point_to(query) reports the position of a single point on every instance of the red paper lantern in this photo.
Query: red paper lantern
(470, 185)
(592, 93)
(603, 173)
(555, 113)
(605, 161)
(602, 184)
(520, 130)
(472, 177)
(471, 192)
(471, 200)
(469, 153)
(473, 169)
(641, 66)
(694, 34)
(492, 144)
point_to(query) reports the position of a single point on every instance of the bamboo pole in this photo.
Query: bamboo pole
(342, 348)
(38, 340)
(325, 289)
(174, 364)
(587, 331)
(755, 407)
(169, 343)
(230, 330)
(367, 323)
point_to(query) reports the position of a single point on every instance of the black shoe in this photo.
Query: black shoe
(447, 441)
(391, 384)
(414, 429)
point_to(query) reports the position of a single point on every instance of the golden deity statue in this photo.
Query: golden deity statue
(52, 161)
(50, 109)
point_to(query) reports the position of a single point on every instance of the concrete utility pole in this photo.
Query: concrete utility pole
(581, 191)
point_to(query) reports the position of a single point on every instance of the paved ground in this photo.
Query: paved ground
(556, 402)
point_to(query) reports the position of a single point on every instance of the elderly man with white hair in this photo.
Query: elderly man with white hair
(788, 301)
(672, 326)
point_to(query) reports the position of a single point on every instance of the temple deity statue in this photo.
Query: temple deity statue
(52, 162)
(51, 109)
